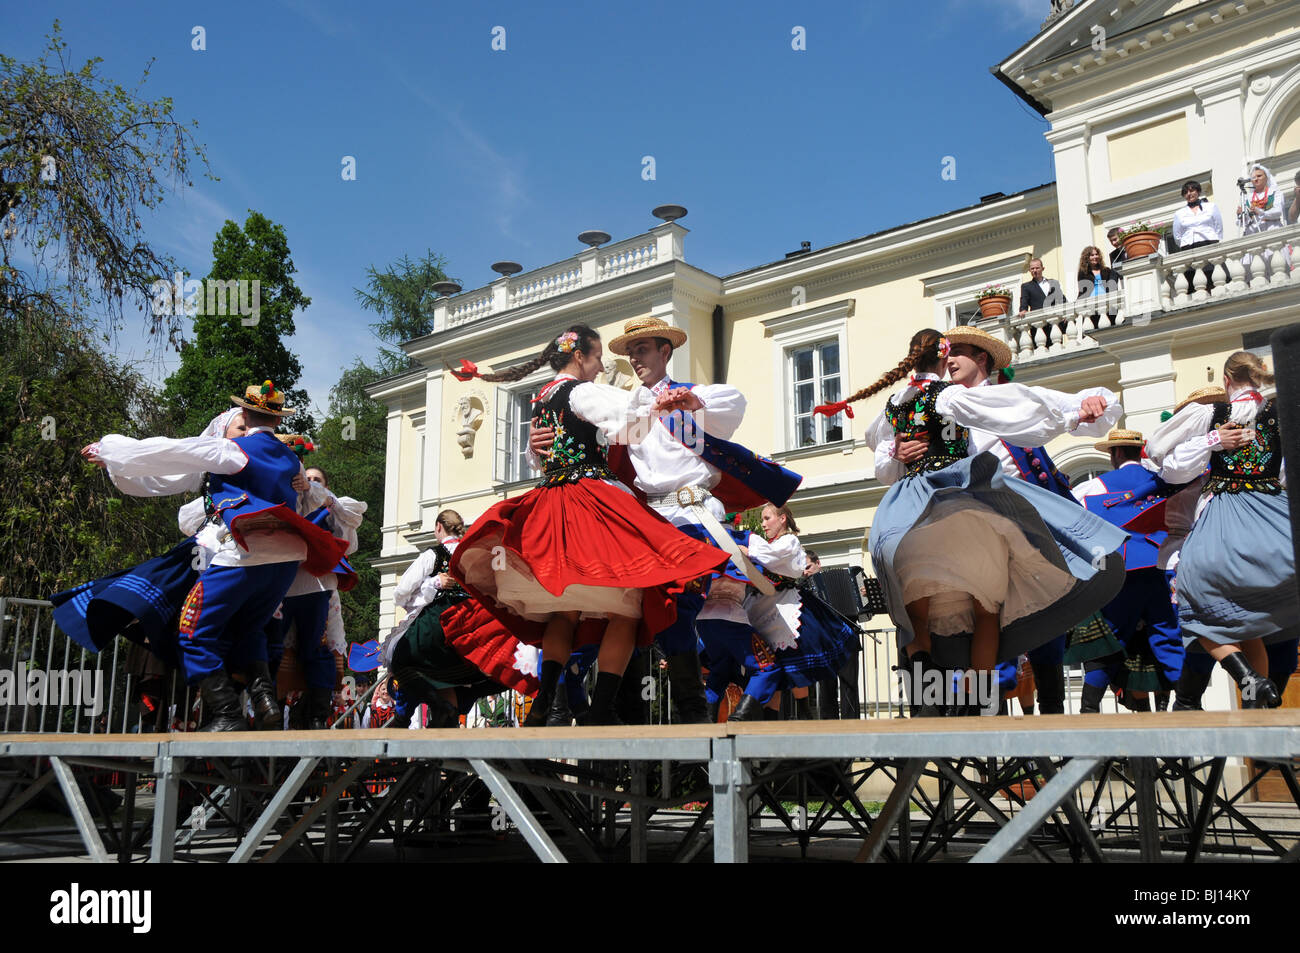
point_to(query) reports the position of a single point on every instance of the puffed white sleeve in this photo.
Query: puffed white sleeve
(1027, 416)
(345, 519)
(1192, 421)
(620, 416)
(724, 409)
(172, 459)
(880, 437)
(409, 584)
(191, 517)
(783, 555)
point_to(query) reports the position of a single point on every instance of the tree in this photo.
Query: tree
(80, 158)
(230, 351)
(400, 296)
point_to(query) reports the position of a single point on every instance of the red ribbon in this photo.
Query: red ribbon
(830, 410)
(468, 371)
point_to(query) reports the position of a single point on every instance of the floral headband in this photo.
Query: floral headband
(566, 342)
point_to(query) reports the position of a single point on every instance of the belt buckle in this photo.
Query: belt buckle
(690, 499)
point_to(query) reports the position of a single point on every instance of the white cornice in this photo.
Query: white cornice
(832, 311)
(392, 389)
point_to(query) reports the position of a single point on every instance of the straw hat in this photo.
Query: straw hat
(647, 328)
(265, 399)
(1121, 438)
(1209, 394)
(998, 350)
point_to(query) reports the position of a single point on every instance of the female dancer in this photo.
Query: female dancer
(806, 640)
(960, 548)
(1236, 569)
(580, 545)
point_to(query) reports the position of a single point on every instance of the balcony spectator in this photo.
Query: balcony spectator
(1095, 279)
(1265, 209)
(1117, 254)
(1293, 215)
(1039, 292)
(1197, 224)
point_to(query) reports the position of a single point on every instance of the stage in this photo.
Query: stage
(1063, 787)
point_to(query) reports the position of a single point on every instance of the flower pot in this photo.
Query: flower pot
(1140, 244)
(994, 306)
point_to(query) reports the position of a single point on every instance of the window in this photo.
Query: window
(514, 411)
(814, 375)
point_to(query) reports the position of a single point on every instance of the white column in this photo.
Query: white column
(1073, 192)
(434, 429)
(392, 480)
(1224, 139)
(1146, 380)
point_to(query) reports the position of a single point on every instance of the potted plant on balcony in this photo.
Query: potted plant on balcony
(1141, 238)
(994, 301)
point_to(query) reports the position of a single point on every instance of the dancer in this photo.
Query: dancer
(689, 472)
(1236, 569)
(1030, 564)
(975, 359)
(580, 545)
(1141, 616)
(249, 484)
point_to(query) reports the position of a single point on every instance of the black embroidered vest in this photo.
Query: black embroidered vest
(576, 453)
(949, 442)
(1254, 467)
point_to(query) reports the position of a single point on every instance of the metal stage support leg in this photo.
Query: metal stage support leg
(640, 815)
(266, 820)
(730, 778)
(893, 811)
(533, 832)
(29, 793)
(1036, 811)
(1206, 811)
(1144, 781)
(80, 812)
(356, 771)
(972, 791)
(1078, 824)
(166, 795)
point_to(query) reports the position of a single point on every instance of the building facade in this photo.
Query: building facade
(1139, 96)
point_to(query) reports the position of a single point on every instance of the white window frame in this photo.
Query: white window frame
(504, 449)
(956, 289)
(807, 327)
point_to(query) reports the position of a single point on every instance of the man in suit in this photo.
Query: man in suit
(1039, 292)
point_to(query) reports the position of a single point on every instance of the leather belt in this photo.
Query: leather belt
(692, 498)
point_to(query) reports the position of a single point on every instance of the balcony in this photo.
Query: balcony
(591, 267)
(1155, 286)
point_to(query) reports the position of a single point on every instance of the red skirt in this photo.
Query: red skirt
(586, 546)
(477, 636)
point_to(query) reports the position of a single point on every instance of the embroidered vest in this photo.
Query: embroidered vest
(1130, 492)
(949, 442)
(576, 453)
(1036, 466)
(1254, 467)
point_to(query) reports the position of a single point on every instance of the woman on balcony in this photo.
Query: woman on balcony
(1097, 280)
(1236, 569)
(580, 544)
(1265, 209)
(958, 546)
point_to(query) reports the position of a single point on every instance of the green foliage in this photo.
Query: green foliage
(401, 295)
(63, 522)
(80, 157)
(226, 354)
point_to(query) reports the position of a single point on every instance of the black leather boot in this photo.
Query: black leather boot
(602, 701)
(713, 708)
(549, 678)
(1256, 690)
(1049, 682)
(687, 682)
(560, 715)
(319, 703)
(221, 699)
(1191, 686)
(267, 715)
(915, 668)
(1162, 701)
(1090, 701)
(749, 709)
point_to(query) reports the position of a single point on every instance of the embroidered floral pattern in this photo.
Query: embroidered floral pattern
(1254, 468)
(918, 418)
(191, 611)
(575, 454)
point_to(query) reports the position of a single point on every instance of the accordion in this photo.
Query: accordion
(848, 590)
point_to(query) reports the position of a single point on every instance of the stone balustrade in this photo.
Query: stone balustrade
(1239, 266)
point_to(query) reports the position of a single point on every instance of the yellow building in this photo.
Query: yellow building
(1139, 96)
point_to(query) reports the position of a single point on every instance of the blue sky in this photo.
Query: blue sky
(484, 155)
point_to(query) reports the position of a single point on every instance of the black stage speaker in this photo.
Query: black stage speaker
(1286, 366)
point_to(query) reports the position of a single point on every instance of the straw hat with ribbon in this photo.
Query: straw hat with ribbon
(265, 399)
(1121, 438)
(1209, 394)
(998, 350)
(647, 328)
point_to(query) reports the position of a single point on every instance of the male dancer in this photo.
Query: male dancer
(1132, 497)
(249, 483)
(974, 358)
(692, 475)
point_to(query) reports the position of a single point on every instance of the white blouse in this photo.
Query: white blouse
(783, 556)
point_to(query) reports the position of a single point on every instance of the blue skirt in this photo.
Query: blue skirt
(1077, 546)
(1236, 572)
(141, 604)
(826, 642)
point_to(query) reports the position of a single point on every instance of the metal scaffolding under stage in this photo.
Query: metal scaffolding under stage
(1042, 787)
